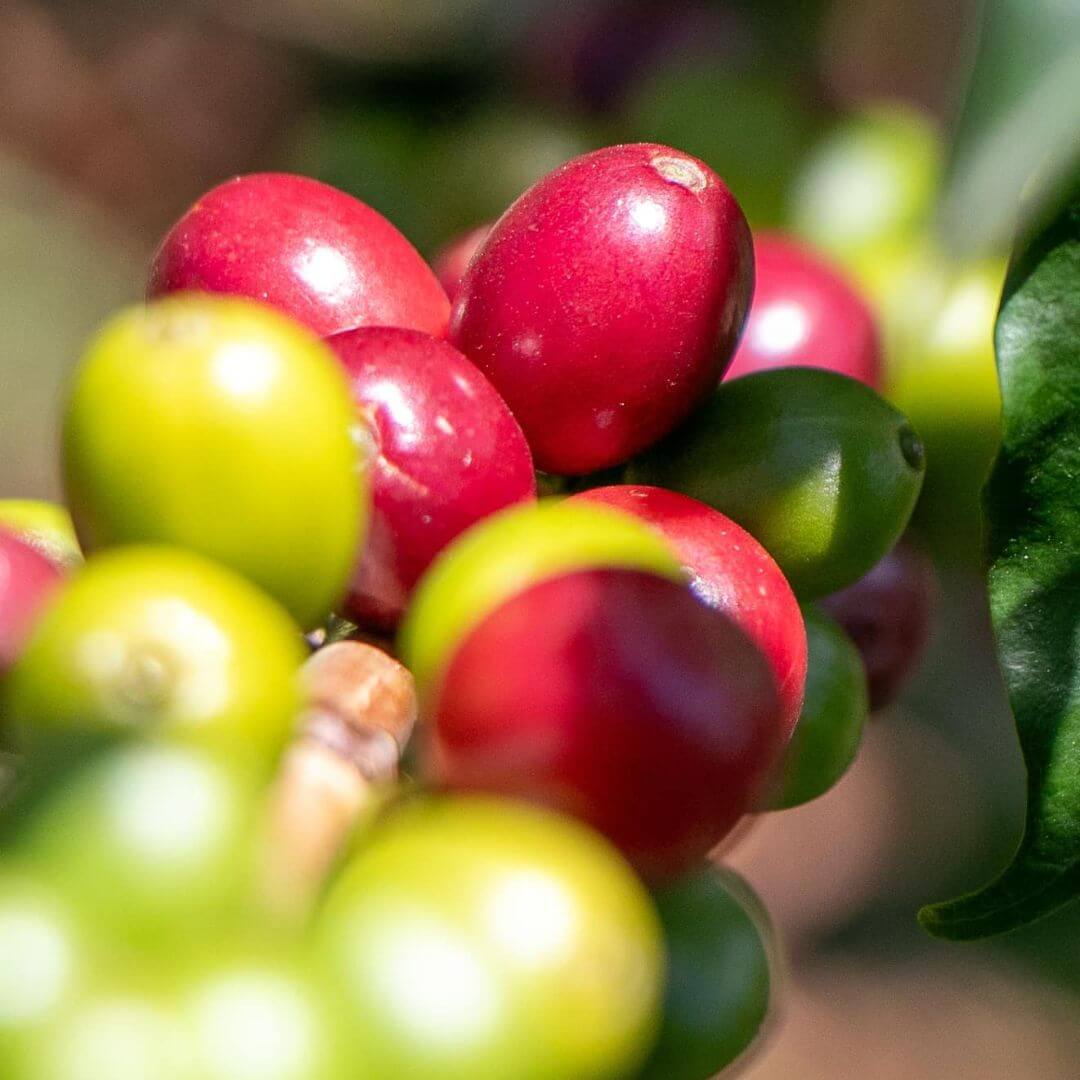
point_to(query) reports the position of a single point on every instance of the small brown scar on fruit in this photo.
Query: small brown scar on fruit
(360, 708)
(681, 171)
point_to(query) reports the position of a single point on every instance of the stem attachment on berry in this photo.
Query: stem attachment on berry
(359, 714)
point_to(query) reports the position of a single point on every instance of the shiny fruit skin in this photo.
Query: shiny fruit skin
(166, 644)
(509, 552)
(151, 844)
(731, 572)
(827, 736)
(256, 1011)
(216, 424)
(477, 938)
(447, 452)
(43, 943)
(28, 582)
(305, 248)
(805, 314)
(607, 302)
(871, 181)
(888, 614)
(817, 467)
(452, 260)
(720, 979)
(43, 525)
(121, 1027)
(617, 697)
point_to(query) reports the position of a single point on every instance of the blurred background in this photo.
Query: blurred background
(895, 135)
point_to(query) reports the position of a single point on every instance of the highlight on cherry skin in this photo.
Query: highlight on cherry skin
(731, 572)
(620, 699)
(446, 453)
(805, 313)
(313, 252)
(600, 364)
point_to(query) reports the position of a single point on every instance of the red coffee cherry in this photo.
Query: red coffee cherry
(311, 251)
(731, 572)
(806, 314)
(447, 453)
(607, 301)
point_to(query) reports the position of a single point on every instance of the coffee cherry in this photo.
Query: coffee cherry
(509, 552)
(218, 425)
(873, 180)
(152, 844)
(888, 614)
(162, 643)
(451, 261)
(123, 1028)
(805, 314)
(477, 938)
(447, 452)
(257, 1013)
(28, 581)
(827, 736)
(615, 696)
(307, 249)
(720, 981)
(44, 948)
(730, 571)
(45, 526)
(607, 302)
(822, 471)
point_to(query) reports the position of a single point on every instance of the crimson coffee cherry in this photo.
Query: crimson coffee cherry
(607, 301)
(615, 696)
(451, 262)
(448, 453)
(27, 580)
(887, 613)
(805, 314)
(313, 252)
(731, 572)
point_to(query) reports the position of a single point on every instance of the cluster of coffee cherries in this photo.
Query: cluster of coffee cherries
(304, 488)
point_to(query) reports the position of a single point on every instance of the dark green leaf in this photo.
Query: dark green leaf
(1033, 510)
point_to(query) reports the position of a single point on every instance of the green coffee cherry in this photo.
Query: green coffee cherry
(163, 644)
(872, 180)
(819, 468)
(153, 845)
(827, 736)
(719, 975)
(216, 424)
(478, 938)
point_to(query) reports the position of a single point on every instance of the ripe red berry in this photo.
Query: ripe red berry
(615, 696)
(607, 302)
(731, 572)
(27, 580)
(311, 251)
(451, 262)
(887, 613)
(805, 314)
(447, 453)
